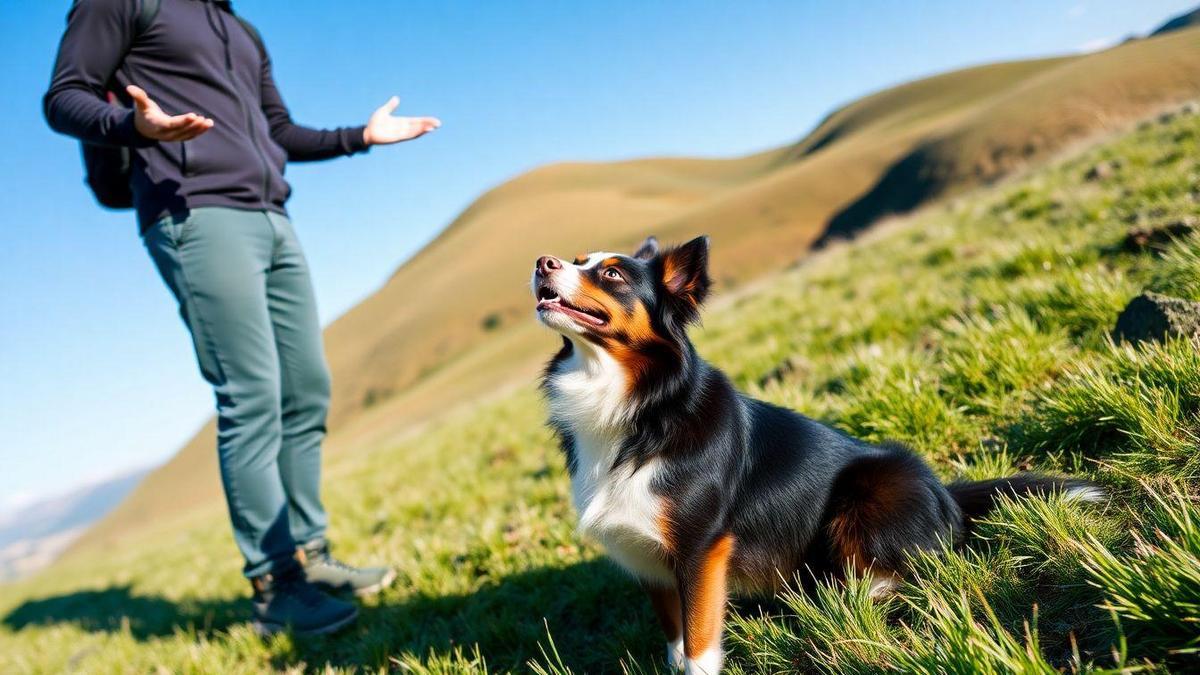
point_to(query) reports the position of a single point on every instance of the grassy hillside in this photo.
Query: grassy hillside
(451, 323)
(976, 331)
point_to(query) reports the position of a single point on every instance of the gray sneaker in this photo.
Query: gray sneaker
(332, 575)
(285, 600)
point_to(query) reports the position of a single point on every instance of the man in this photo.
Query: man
(209, 136)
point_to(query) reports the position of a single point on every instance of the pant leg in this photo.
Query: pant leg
(305, 378)
(216, 263)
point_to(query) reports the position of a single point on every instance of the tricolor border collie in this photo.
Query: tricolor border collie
(696, 489)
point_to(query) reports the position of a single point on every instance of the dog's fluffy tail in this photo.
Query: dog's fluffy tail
(977, 498)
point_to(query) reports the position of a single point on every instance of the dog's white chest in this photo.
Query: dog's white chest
(589, 396)
(618, 508)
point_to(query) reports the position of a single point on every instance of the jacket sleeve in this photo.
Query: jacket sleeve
(98, 35)
(304, 144)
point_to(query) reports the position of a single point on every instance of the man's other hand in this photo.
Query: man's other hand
(151, 122)
(383, 128)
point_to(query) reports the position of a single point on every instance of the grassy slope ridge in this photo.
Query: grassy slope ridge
(420, 343)
(1181, 22)
(977, 332)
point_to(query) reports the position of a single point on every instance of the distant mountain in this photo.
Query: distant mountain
(33, 536)
(454, 322)
(1186, 20)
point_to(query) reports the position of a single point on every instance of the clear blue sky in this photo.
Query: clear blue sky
(96, 372)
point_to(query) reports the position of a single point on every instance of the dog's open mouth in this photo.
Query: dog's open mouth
(550, 301)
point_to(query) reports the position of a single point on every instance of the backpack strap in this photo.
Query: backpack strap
(254, 35)
(146, 11)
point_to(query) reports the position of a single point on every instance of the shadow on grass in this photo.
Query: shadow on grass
(116, 609)
(597, 616)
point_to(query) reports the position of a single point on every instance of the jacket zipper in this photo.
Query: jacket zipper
(262, 157)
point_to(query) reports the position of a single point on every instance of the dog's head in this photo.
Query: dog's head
(625, 304)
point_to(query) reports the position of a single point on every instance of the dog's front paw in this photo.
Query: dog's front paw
(675, 657)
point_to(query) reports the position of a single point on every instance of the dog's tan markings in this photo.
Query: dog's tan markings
(580, 259)
(666, 607)
(638, 334)
(670, 272)
(706, 598)
(876, 499)
(592, 297)
(628, 333)
(637, 326)
(633, 325)
(845, 532)
(678, 280)
(666, 527)
(608, 262)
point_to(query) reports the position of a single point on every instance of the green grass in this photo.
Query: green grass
(978, 332)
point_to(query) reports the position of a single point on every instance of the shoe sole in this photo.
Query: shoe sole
(383, 583)
(267, 629)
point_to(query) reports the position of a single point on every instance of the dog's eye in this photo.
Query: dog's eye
(612, 273)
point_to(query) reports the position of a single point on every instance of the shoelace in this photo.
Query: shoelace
(306, 593)
(325, 558)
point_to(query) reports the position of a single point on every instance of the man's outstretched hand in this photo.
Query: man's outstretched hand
(151, 122)
(383, 128)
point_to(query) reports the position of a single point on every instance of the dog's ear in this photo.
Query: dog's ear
(685, 274)
(648, 249)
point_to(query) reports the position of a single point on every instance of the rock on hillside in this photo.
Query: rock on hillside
(1156, 317)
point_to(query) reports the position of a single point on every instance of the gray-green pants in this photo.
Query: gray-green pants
(245, 295)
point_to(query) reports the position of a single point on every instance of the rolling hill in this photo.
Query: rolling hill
(450, 324)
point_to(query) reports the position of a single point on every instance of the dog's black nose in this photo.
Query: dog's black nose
(547, 264)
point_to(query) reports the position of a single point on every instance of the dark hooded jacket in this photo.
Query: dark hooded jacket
(195, 56)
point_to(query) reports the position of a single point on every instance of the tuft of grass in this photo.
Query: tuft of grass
(837, 628)
(989, 357)
(893, 393)
(1081, 302)
(1040, 534)
(457, 661)
(1133, 405)
(1155, 586)
(1177, 272)
(959, 642)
